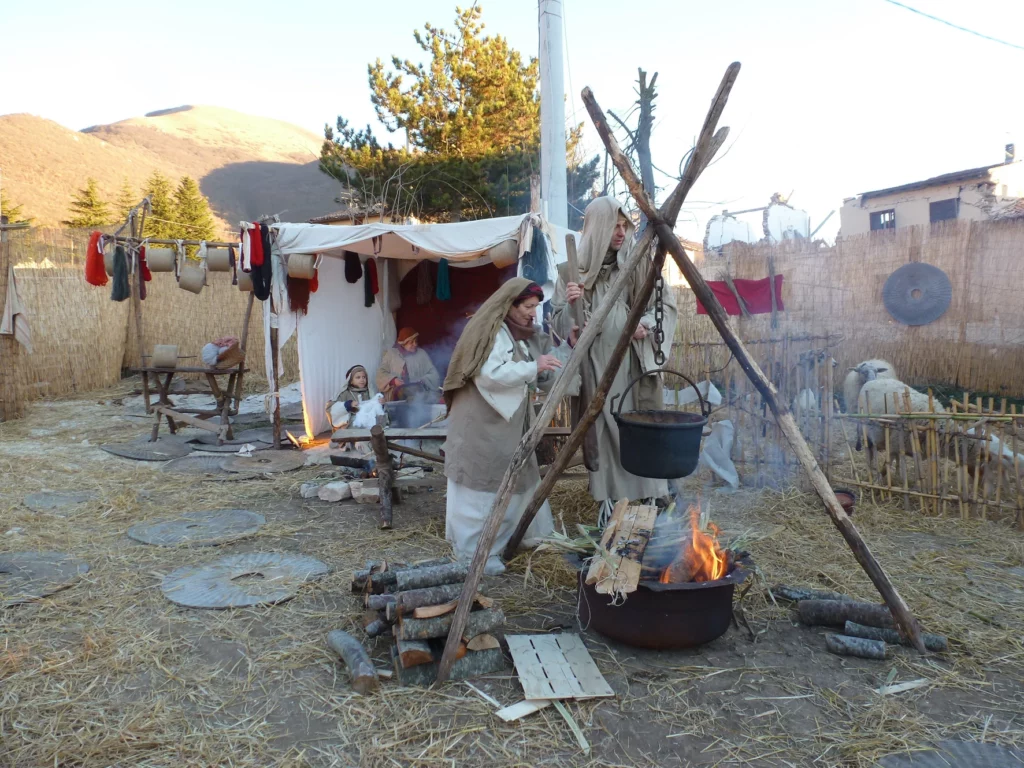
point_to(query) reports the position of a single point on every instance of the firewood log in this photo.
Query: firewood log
(841, 645)
(379, 602)
(360, 669)
(473, 664)
(412, 653)
(835, 613)
(406, 602)
(483, 643)
(796, 594)
(935, 643)
(423, 629)
(420, 578)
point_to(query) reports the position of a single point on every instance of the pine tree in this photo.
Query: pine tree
(471, 117)
(88, 210)
(160, 221)
(127, 198)
(11, 210)
(192, 212)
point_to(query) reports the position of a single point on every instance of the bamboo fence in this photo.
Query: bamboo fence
(84, 341)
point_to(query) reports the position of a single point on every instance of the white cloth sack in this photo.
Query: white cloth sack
(686, 394)
(15, 321)
(716, 454)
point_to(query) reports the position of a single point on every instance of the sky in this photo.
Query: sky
(835, 97)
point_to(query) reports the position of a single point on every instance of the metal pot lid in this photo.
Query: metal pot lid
(28, 576)
(238, 581)
(196, 464)
(265, 461)
(199, 529)
(917, 294)
(162, 449)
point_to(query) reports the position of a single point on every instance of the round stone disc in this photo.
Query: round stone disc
(196, 464)
(917, 293)
(199, 529)
(266, 461)
(261, 435)
(238, 581)
(28, 576)
(164, 449)
(963, 754)
(58, 502)
(232, 447)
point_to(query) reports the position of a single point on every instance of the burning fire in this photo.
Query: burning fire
(700, 557)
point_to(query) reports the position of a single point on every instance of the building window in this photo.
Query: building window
(943, 210)
(883, 220)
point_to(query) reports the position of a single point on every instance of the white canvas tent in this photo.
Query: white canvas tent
(339, 331)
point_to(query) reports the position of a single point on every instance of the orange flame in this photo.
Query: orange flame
(700, 559)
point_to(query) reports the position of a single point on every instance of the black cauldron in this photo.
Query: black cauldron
(660, 444)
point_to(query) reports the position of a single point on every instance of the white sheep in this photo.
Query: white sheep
(860, 374)
(882, 396)
(806, 401)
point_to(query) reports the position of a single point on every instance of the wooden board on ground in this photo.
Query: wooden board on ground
(522, 709)
(617, 571)
(556, 667)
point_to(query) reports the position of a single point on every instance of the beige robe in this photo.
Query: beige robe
(486, 422)
(611, 482)
(411, 369)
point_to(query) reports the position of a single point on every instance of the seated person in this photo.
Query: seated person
(357, 389)
(407, 372)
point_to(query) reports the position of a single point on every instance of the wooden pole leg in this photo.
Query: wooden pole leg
(385, 474)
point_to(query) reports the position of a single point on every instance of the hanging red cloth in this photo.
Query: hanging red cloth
(756, 295)
(147, 276)
(315, 282)
(255, 248)
(95, 272)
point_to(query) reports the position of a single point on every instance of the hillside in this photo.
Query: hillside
(246, 165)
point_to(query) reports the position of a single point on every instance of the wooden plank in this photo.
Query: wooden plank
(191, 369)
(546, 672)
(522, 709)
(191, 421)
(600, 568)
(621, 572)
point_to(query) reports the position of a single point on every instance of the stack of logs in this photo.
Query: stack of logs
(868, 629)
(415, 604)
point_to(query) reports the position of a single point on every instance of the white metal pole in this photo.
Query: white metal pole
(552, 113)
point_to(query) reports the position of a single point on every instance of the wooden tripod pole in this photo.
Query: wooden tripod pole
(590, 458)
(900, 610)
(709, 139)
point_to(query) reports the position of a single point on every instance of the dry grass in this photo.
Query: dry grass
(110, 673)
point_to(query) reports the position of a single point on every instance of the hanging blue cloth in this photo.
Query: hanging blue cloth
(535, 260)
(444, 285)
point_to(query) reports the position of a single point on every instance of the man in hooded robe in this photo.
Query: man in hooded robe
(406, 371)
(604, 249)
(489, 391)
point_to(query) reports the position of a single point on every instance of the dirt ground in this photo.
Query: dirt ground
(109, 672)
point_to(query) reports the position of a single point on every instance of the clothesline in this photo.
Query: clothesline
(155, 241)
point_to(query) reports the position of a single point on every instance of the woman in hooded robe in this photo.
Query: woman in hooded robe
(604, 249)
(489, 391)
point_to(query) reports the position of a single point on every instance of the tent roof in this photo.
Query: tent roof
(463, 244)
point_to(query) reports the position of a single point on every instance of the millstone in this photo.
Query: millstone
(238, 581)
(164, 449)
(58, 502)
(199, 529)
(264, 435)
(232, 447)
(962, 754)
(28, 576)
(196, 464)
(266, 461)
(917, 293)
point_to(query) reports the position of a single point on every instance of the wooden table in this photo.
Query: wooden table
(227, 398)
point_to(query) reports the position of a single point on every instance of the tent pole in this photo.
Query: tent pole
(275, 384)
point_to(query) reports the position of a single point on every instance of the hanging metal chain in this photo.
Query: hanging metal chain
(659, 317)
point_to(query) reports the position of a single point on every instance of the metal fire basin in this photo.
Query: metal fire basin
(664, 617)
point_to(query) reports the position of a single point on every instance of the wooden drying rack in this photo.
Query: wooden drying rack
(229, 398)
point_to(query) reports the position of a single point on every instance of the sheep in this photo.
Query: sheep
(865, 371)
(806, 401)
(881, 396)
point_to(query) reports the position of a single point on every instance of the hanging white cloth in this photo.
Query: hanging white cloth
(15, 321)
